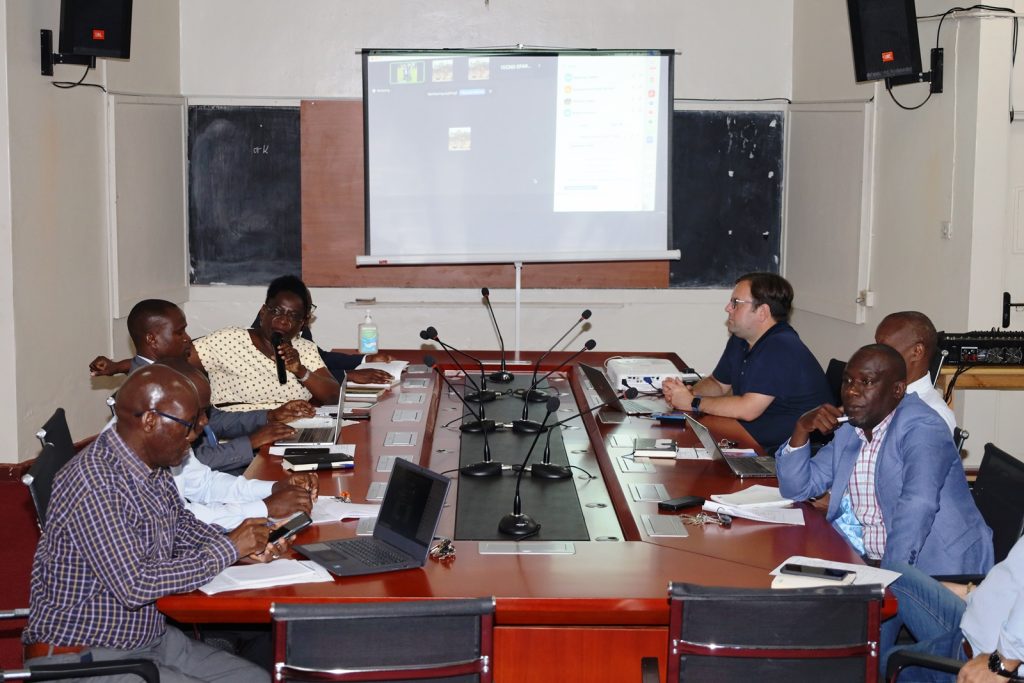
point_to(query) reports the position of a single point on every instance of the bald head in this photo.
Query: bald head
(913, 335)
(154, 408)
(874, 383)
(199, 381)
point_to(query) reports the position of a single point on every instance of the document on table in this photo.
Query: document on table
(772, 515)
(865, 575)
(330, 509)
(685, 453)
(394, 368)
(757, 495)
(276, 573)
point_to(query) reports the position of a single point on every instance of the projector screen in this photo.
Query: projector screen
(517, 155)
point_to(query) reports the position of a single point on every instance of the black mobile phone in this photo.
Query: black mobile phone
(291, 527)
(816, 572)
(680, 503)
(307, 451)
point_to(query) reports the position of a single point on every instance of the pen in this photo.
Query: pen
(843, 418)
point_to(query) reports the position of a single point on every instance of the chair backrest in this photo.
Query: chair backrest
(741, 634)
(58, 448)
(433, 640)
(997, 493)
(834, 377)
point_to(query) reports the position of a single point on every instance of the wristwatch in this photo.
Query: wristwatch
(695, 404)
(308, 374)
(995, 665)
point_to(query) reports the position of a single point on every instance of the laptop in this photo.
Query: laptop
(320, 430)
(404, 530)
(743, 466)
(616, 404)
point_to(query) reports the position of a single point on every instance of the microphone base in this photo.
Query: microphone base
(501, 377)
(528, 427)
(485, 396)
(481, 469)
(478, 426)
(519, 526)
(535, 396)
(545, 470)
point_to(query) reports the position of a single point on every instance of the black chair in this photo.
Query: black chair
(997, 493)
(834, 377)
(741, 634)
(436, 640)
(58, 448)
(143, 668)
(902, 659)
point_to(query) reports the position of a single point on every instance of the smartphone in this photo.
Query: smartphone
(290, 528)
(675, 419)
(680, 503)
(306, 451)
(816, 572)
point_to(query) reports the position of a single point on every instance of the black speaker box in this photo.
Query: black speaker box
(100, 28)
(885, 41)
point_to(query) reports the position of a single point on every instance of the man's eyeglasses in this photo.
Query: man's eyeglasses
(191, 426)
(734, 303)
(293, 316)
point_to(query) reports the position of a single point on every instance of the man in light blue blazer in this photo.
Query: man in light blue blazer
(899, 492)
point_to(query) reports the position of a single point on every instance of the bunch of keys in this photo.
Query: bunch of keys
(444, 550)
(702, 518)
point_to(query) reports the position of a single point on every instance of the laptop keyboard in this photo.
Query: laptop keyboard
(758, 465)
(368, 551)
(314, 434)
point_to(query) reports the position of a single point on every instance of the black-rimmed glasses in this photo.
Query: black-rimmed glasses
(293, 316)
(191, 426)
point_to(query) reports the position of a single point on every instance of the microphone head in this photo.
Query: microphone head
(589, 346)
(553, 404)
(276, 339)
(429, 361)
(485, 292)
(586, 314)
(631, 393)
(424, 334)
(431, 332)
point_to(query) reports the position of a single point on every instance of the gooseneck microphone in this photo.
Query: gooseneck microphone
(544, 469)
(282, 374)
(516, 523)
(481, 395)
(486, 467)
(540, 396)
(480, 424)
(528, 426)
(503, 376)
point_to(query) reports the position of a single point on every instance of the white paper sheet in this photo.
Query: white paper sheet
(865, 575)
(276, 573)
(330, 509)
(772, 515)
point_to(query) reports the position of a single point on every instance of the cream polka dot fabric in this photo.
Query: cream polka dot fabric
(240, 373)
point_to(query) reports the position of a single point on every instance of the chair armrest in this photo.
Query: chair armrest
(961, 578)
(143, 668)
(901, 659)
(649, 670)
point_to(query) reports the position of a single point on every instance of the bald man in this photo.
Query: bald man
(913, 335)
(118, 538)
(898, 490)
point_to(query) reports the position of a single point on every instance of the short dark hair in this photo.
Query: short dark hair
(920, 325)
(143, 315)
(292, 284)
(894, 357)
(772, 290)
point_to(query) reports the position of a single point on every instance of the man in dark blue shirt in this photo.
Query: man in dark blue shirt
(766, 377)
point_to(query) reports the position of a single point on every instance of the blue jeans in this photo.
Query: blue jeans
(932, 614)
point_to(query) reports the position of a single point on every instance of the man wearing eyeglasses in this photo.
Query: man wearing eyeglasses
(766, 377)
(118, 538)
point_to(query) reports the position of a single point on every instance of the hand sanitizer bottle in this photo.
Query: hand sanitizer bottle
(367, 335)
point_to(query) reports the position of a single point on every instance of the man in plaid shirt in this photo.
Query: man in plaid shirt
(118, 537)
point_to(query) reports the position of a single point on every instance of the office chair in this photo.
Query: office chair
(58, 448)
(834, 377)
(435, 640)
(143, 668)
(741, 634)
(902, 659)
(997, 493)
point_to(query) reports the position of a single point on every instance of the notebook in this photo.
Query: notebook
(404, 530)
(321, 430)
(741, 465)
(608, 395)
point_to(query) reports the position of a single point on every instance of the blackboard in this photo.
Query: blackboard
(244, 194)
(727, 195)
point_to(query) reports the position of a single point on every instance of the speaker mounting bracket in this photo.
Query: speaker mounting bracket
(933, 78)
(48, 57)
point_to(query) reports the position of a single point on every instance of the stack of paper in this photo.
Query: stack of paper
(276, 573)
(330, 509)
(395, 368)
(757, 502)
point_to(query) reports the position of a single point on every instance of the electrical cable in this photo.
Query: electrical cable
(67, 85)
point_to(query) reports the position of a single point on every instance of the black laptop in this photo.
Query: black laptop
(405, 527)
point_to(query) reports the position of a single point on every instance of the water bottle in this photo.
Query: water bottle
(367, 335)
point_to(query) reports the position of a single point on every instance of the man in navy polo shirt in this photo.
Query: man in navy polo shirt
(766, 377)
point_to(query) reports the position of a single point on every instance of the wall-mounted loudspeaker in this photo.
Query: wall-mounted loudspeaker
(100, 28)
(885, 41)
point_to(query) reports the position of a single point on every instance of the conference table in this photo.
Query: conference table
(594, 608)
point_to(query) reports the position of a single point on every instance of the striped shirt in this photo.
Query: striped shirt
(117, 538)
(862, 489)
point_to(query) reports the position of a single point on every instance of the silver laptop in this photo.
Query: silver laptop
(321, 430)
(404, 530)
(616, 404)
(743, 466)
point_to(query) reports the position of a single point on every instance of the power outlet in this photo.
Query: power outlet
(947, 230)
